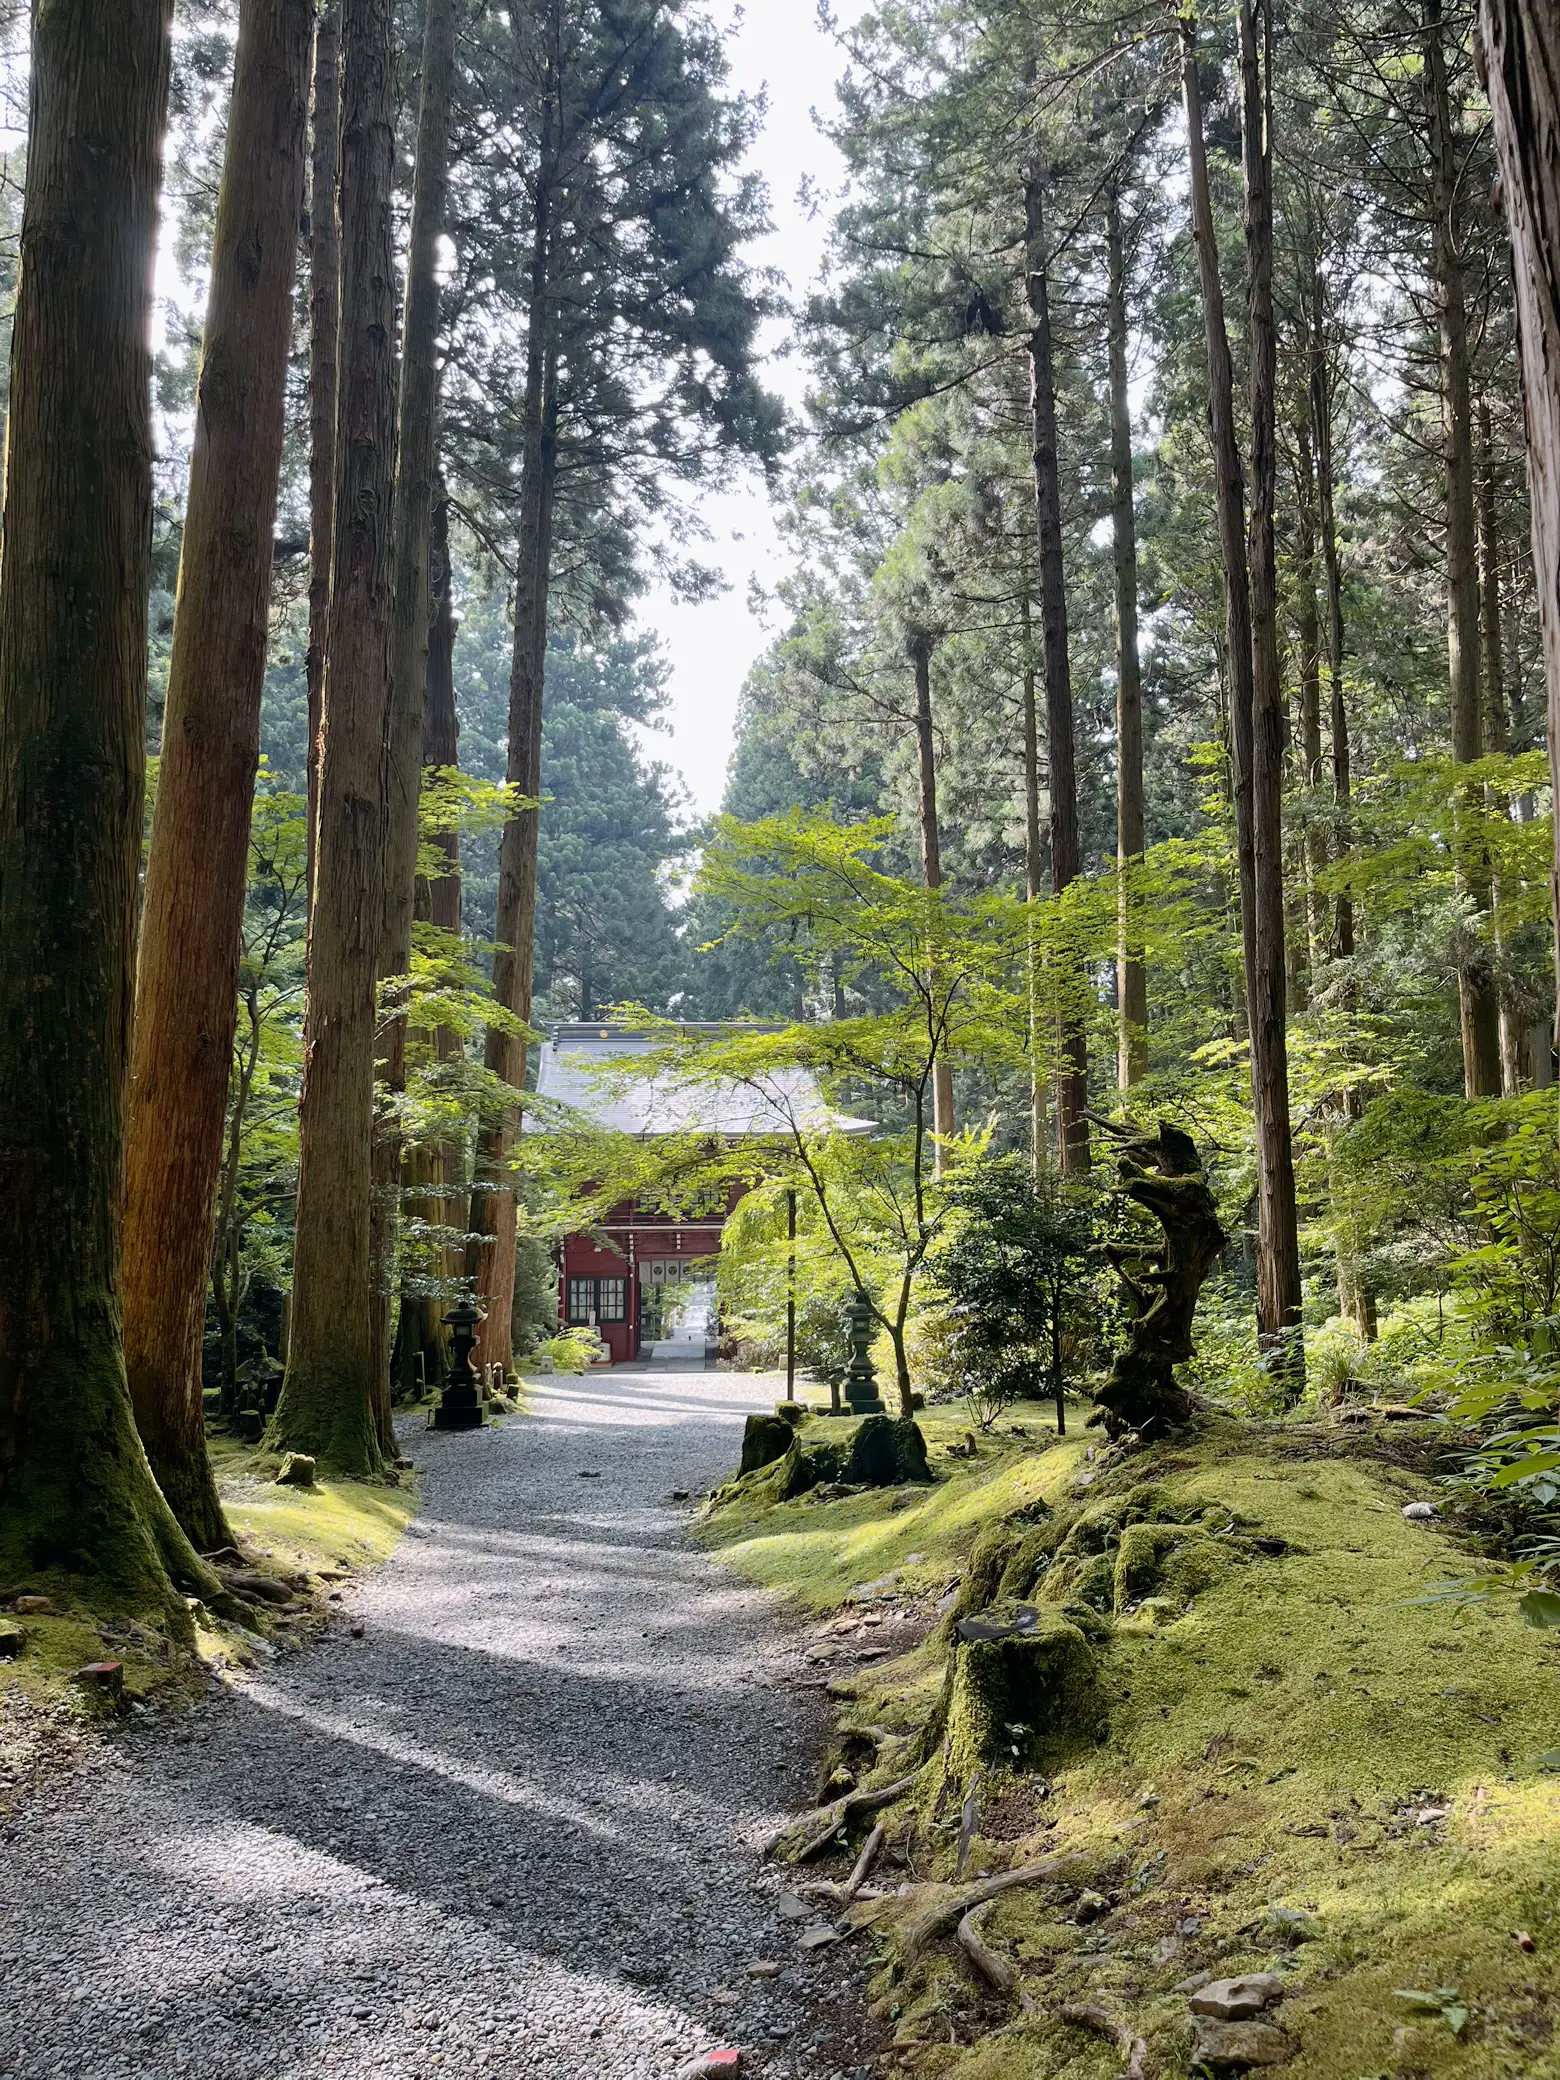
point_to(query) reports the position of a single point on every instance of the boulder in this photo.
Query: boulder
(1230, 2047)
(1024, 1680)
(764, 1440)
(12, 1642)
(296, 1471)
(792, 1412)
(33, 1606)
(885, 1452)
(1235, 2000)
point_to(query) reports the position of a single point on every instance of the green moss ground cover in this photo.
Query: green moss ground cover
(309, 1537)
(1303, 1767)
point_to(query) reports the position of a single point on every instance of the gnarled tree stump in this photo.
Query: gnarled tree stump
(1163, 1173)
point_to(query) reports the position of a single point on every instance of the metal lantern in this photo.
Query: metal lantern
(460, 1406)
(860, 1377)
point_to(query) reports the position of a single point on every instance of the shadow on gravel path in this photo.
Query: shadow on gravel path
(508, 1830)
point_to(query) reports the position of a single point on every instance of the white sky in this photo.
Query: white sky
(776, 44)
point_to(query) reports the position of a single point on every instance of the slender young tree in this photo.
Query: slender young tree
(324, 318)
(1131, 982)
(76, 1492)
(1520, 64)
(193, 905)
(931, 867)
(330, 1397)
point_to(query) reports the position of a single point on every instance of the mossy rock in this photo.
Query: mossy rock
(887, 1452)
(1167, 1560)
(1021, 1697)
(764, 1440)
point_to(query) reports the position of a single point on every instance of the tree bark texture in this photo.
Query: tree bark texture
(491, 1252)
(328, 1401)
(437, 904)
(1278, 1255)
(1309, 632)
(324, 322)
(1039, 1132)
(1332, 579)
(1072, 1083)
(416, 443)
(1478, 1008)
(931, 868)
(193, 906)
(1520, 63)
(1131, 983)
(76, 1491)
(1514, 1050)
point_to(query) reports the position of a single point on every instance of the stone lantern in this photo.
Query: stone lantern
(860, 1377)
(460, 1405)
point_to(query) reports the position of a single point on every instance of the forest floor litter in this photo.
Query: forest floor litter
(512, 1828)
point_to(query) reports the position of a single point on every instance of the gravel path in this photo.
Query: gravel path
(508, 1830)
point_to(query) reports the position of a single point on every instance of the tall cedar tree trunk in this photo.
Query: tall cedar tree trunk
(186, 1000)
(1131, 984)
(1332, 575)
(329, 1394)
(1039, 1153)
(324, 322)
(1278, 1262)
(76, 1492)
(491, 1252)
(1261, 905)
(1478, 1009)
(416, 441)
(1309, 632)
(1520, 64)
(437, 904)
(1514, 1064)
(931, 867)
(1355, 1300)
(1072, 1082)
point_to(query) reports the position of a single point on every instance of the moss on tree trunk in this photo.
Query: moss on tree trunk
(192, 911)
(76, 1492)
(328, 1401)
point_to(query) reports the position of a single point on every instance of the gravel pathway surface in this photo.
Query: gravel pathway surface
(509, 1830)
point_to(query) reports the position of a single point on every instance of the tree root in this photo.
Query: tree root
(1084, 2015)
(842, 1895)
(948, 1913)
(996, 1971)
(827, 1821)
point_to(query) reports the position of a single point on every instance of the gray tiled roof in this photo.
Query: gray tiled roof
(588, 1067)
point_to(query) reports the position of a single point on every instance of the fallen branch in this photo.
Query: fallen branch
(948, 1913)
(828, 1820)
(1084, 2015)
